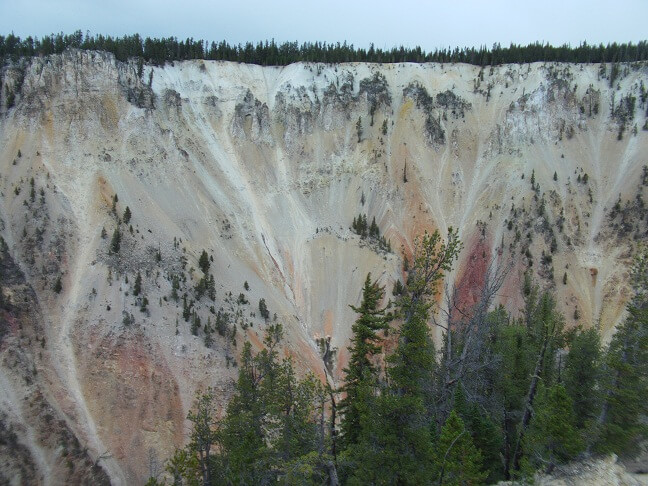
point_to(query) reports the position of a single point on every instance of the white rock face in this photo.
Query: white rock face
(265, 168)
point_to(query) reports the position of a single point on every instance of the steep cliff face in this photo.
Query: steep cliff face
(266, 169)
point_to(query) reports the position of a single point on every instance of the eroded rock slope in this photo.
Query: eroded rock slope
(265, 169)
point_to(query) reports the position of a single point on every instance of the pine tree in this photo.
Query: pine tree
(552, 437)
(263, 309)
(127, 215)
(396, 438)
(625, 385)
(544, 326)
(204, 437)
(486, 434)
(137, 288)
(582, 375)
(361, 373)
(115, 241)
(186, 309)
(203, 262)
(209, 340)
(211, 288)
(374, 231)
(269, 425)
(58, 286)
(457, 460)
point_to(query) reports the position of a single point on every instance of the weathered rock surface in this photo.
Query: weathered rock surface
(265, 168)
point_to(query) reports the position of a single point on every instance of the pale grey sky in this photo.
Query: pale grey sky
(430, 24)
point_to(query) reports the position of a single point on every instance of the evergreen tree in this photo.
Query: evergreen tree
(552, 437)
(361, 375)
(270, 423)
(263, 309)
(544, 326)
(211, 288)
(485, 433)
(396, 441)
(137, 288)
(625, 385)
(457, 460)
(209, 340)
(115, 241)
(582, 375)
(203, 436)
(511, 383)
(374, 231)
(203, 262)
(127, 215)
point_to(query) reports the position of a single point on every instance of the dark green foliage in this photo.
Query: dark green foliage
(58, 286)
(270, 432)
(201, 287)
(485, 432)
(175, 286)
(209, 340)
(137, 288)
(203, 262)
(203, 443)
(211, 288)
(552, 437)
(144, 305)
(263, 309)
(582, 375)
(360, 227)
(162, 50)
(195, 323)
(398, 288)
(361, 374)
(127, 215)
(373, 229)
(396, 427)
(458, 461)
(517, 396)
(115, 241)
(222, 321)
(625, 383)
(186, 309)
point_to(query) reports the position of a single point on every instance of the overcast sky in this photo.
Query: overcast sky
(430, 24)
